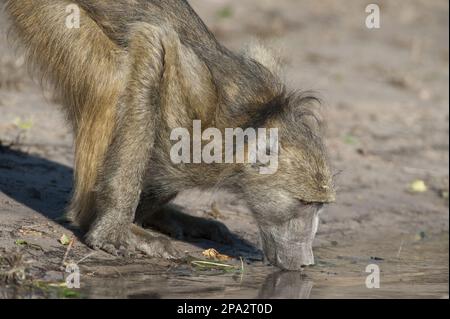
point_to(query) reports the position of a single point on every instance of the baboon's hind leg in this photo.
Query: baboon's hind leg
(171, 220)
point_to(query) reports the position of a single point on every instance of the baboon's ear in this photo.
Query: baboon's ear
(263, 55)
(303, 108)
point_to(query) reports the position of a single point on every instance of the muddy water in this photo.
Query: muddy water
(409, 268)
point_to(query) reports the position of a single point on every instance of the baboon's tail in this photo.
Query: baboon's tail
(84, 65)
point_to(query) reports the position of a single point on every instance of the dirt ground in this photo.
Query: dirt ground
(386, 98)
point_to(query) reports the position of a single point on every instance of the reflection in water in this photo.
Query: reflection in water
(286, 285)
(278, 285)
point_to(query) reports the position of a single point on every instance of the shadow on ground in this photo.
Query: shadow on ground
(45, 186)
(36, 182)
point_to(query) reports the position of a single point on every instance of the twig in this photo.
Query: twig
(69, 247)
(34, 226)
(201, 263)
(86, 257)
(117, 270)
(400, 249)
(242, 270)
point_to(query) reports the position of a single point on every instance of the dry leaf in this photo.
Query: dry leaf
(28, 231)
(214, 254)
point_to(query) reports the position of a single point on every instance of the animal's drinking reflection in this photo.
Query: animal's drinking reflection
(286, 285)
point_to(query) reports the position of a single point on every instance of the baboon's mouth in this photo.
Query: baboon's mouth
(289, 246)
(289, 255)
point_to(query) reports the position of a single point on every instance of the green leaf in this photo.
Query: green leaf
(225, 12)
(23, 124)
(351, 140)
(65, 240)
(21, 242)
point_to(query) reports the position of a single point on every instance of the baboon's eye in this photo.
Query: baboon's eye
(258, 165)
(304, 202)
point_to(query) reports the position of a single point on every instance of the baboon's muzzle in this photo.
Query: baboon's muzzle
(289, 245)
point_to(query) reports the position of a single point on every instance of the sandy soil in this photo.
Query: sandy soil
(386, 102)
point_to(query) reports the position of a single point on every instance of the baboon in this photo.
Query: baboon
(136, 69)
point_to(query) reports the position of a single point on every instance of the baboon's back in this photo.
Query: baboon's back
(116, 18)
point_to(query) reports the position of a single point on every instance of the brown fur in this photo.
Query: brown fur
(135, 70)
(85, 68)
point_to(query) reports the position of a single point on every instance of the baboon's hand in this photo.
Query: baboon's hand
(128, 243)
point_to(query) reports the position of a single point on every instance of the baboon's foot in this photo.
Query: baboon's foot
(171, 221)
(114, 243)
(129, 243)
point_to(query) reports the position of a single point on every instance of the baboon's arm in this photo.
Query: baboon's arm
(121, 180)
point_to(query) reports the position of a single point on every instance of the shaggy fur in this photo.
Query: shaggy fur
(135, 70)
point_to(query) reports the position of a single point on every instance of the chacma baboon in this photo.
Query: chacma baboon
(132, 72)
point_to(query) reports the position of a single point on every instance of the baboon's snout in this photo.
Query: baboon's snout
(289, 245)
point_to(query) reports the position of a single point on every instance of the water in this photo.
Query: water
(416, 268)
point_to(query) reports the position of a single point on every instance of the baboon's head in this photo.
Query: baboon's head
(287, 204)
